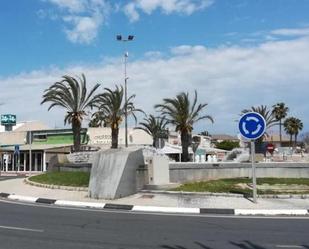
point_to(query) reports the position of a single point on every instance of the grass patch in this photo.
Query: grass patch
(230, 185)
(73, 179)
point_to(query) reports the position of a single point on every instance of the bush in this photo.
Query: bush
(227, 145)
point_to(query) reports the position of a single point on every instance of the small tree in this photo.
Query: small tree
(111, 110)
(293, 126)
(227, 145)
(183, 114)
(153, 126)
(280, 111)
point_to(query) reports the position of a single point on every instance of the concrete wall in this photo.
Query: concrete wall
(114, 173)
(188, 172)
(81, 167)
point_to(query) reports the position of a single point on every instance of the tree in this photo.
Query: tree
(205, 133)
(298, 126)
(72, 95)
(280, 111)
(227, 145)
(96, 121)
(153, 126)
(293, 126)
(183, 114)
(111, 110)
(270, 119)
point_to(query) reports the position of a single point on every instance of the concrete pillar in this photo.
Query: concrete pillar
(35, 161)
(44, 161)
(13, 162)
(25, 160)
(6, 162)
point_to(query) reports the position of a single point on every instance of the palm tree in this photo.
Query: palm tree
(280, 111)
(96, 121)
(111, 110)
(71, 94)
(269, 118)
(179, 111)
(298, 126)
(292, 126)
(153, 126)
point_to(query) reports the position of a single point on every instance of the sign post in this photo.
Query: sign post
(252, 126)
(253, 171)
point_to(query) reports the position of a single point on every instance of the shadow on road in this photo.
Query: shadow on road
(247, 245)
(241, 245)
(181, 247)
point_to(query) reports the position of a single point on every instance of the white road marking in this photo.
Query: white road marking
(22, 198)
(271, 211)
(79, 204)
(22, 229)
(166, 209)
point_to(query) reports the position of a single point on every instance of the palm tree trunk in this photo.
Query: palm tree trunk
(259, 145)
(280, 132)
(154, 139)
(295, 140)
(76, 127)
(185, 146)
(291, 139)
(115, 132)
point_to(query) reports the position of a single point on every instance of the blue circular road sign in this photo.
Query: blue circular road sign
(252, 125)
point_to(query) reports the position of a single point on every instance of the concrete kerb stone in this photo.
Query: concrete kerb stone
(209, 194)
(51, 186)
(199, 194)
(178, 210)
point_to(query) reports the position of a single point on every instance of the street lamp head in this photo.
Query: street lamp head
(130, 37)
(119, 37)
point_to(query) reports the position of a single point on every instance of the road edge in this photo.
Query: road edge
(156, 209)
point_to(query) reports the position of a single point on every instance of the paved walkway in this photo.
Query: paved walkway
(18, 187)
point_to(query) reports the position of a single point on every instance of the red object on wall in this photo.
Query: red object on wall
(270, 148)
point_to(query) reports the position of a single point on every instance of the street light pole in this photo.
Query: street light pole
(126, 55)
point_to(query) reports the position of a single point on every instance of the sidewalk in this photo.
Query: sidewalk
(19, 188)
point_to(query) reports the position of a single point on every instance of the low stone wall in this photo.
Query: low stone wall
(189, 172)
(82, 167)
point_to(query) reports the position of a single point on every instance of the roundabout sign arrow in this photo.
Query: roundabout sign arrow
(252, 125)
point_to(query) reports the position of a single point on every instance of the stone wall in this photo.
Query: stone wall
(188, 172)
(81, 167)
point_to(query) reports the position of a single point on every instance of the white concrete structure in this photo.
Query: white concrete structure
(158, 170)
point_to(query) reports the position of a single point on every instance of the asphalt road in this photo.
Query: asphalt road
(4, 178)
(33, 227)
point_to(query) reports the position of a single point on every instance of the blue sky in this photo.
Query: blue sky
(236, 53)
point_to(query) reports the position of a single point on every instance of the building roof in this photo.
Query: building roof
(27, 126)
(223, 137)
(276, 138)
(12, 138)
(26, 147)
(31, 126)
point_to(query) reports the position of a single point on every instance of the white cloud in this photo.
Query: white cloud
(291, 32)
(73, 6)
(186, 7)
(83, 18)
(229, 78)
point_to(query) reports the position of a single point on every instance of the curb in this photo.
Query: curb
(210, 194)
(42, 185)
(179, 210)
(176, 193)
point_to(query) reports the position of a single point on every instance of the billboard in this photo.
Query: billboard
(8, 119)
